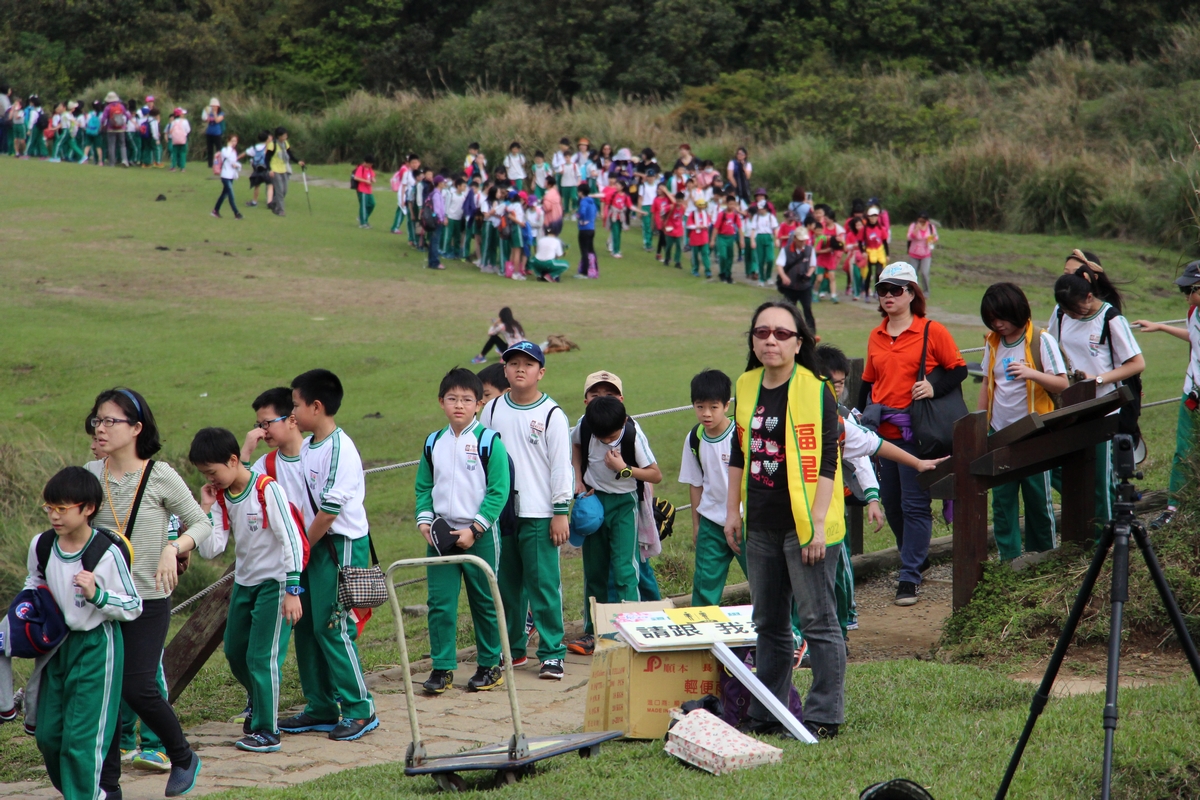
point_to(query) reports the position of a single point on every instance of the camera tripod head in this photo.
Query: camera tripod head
(1125, 463)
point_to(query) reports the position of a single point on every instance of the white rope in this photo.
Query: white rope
(208, 589)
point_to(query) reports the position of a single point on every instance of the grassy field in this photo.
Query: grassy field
(104, 286)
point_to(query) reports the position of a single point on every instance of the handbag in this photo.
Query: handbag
(933, 418)
(357, 587)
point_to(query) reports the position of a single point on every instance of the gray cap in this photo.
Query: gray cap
(1190, 276)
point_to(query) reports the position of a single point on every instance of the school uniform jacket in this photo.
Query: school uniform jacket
(335, 483)
(116, 598)
(452, 482)
(538, 439)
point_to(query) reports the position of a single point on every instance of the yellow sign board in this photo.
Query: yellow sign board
(691, 616)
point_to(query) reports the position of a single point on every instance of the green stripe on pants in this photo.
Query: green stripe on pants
(725, 247)
(78, 705)
(647, 228)
(530, 577)
(366, 204)
(444, 582)
(326, 655)
(1039, 516)
(613, 545)
(843, 589)
(256, 638)
(713, 557)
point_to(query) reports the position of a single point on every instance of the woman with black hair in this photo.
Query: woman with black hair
(738, 171)
(140, 495)
(786, 471)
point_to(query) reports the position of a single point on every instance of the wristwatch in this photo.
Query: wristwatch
(625, 473)
(1099, 380)
(477, 529)
(295, 591)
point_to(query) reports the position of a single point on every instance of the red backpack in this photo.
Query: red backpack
(260, 485)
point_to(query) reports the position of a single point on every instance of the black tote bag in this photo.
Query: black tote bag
(933, 418)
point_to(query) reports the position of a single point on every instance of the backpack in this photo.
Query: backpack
(144, 128)
(92, 554)
(258, 160)
(42, 122)
(694, 446)
(429, 219)
(260, 485)
(1127, 421)
(92, 126)
(353, 182)
(508, 515)
(117, 118)
(647, 504)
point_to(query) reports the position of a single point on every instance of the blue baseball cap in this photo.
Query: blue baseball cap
(526, 348)
(586, 517)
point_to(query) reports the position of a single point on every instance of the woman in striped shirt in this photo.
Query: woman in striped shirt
(125, 433)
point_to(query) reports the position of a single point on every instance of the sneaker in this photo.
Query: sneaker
(799, 656)
(926, 565)
(479, 360)
(152, 761)
(518, 276)
(529, 622)
(485, 679)
(552, 670)
(1162, 520)
(439, 681)
(183, 779)
(215, 214)
(11, 714)
(246, 726)
(348, 730)
(128, 755)
(303, 723)
(584, 645)
(252, 203)
(616, 255)
(852, 626)
(822, 730)
(237, 216)
(906, 594)
(259, 742)
(518, 661)
(243, 715)
(835, 301)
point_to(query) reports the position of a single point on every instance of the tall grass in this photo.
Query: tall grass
(25, 466)
(1071, 145)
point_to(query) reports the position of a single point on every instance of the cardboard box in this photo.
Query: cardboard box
(634, 692)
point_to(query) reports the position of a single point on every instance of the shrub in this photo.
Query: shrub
(1059, 196)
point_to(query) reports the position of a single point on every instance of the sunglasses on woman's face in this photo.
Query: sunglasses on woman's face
(889, 290)
(780, 334)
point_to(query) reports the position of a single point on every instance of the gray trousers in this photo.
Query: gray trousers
(116, 138)
(778, 578)
(280, 181)
(923, 265)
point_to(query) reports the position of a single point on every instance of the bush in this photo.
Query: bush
(1059, 196)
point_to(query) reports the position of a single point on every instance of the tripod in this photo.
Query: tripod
(1115, 536)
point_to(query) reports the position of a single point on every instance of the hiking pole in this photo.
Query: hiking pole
(304, 175)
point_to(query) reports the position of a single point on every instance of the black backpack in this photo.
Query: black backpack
(1127, 417)
(429, 220)
(95, 550)
(628, 448)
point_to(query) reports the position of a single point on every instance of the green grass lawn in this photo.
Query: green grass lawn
(104, 286)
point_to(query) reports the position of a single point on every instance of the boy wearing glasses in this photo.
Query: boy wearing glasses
(80, 691)
(463, 479)
(1189, 284)
(276, 427)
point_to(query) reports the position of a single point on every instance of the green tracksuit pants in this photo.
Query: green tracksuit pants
(615, 230)
(647, 229)
(548, 268)
(133, 730)
(452, 238)
(725, 247)
(675, 245)
(256, 638)
(570, 198)
(133, 144)
(78, 705)
(713, 557)
(613, 545)
(411, 221)
(843, 591)
(530, 578)
(326, 655)
(444, 582)
(1184, 433)
(397, 219)
(763, 257)
(700, 254)
(96, 142)
(178, 156)
(1039, 516)
(366, 204)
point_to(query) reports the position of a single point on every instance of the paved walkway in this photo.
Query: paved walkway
(454, 721)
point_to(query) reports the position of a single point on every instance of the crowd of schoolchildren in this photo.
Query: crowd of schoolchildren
(509, 221)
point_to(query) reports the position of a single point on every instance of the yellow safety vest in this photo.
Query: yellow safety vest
(802, 449)
(1039, 399)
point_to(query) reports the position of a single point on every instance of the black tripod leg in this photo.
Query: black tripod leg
(1120, 594)
(1060, 651)
(1168, 598)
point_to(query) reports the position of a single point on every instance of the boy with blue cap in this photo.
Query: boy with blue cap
(537, 437)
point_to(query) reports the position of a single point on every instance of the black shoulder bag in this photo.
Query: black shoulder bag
(933, 418)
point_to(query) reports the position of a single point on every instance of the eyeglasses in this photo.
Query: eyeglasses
(50, 508)
(889, 290)
(780, 334)
(1189, 289)
(95, 422)
(266, 423)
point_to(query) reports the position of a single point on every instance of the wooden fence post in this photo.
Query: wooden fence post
(970, 507)
(198, 639)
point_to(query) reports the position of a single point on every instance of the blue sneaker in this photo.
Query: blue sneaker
(152, 761)
(350, 729)
(259, 742)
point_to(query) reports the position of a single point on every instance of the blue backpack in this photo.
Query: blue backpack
(508, 516)
(92, 126)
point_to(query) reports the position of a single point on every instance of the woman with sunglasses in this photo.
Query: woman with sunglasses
(786, 471)
(1189, 284)
(126, 436)
(889, 387)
